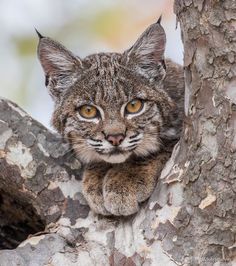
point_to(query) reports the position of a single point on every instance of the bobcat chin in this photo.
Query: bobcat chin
(119, 111)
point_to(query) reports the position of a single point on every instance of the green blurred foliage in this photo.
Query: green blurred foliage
(25, 45)
(109, 22)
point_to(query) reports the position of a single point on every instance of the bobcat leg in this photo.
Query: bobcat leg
(126, 185)
(92, 188)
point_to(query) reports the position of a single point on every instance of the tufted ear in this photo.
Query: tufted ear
(59, 64)
(146, 56)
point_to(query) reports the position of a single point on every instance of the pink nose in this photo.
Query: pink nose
(116, 139)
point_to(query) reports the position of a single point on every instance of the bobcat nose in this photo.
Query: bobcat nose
(116, 139)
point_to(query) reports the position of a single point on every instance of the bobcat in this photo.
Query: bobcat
(120, 112)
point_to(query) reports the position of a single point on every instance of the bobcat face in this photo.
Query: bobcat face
(109, 106)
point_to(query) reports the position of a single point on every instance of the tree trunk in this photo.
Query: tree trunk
(190, 218)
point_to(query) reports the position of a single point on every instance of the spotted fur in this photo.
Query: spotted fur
(109, 81)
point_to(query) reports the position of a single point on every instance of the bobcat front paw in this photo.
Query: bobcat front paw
(92, 189)
(119, 193)
(120, 204)
(96, 202)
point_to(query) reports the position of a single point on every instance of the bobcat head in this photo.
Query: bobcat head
(110, 106)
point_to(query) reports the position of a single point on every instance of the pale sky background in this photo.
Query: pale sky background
(83, 26)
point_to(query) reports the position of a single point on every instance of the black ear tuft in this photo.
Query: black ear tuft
(159, 20)
(146, 56)
(39, 34)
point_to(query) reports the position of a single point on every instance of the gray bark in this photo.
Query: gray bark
(190, 218)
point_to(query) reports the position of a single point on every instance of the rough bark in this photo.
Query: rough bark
(190, 218)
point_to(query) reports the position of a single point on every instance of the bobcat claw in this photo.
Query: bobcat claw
(120, 204)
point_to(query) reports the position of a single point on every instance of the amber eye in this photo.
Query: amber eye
(134, 106)
(88, 111)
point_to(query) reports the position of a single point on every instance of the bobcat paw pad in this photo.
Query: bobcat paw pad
(120, 205)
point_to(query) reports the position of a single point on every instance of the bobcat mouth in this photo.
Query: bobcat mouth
(115, 154)
(116, 151)
(119, 157)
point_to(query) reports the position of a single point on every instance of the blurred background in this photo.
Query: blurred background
(83, 26)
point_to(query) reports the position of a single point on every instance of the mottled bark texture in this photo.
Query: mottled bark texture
(190, 218)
